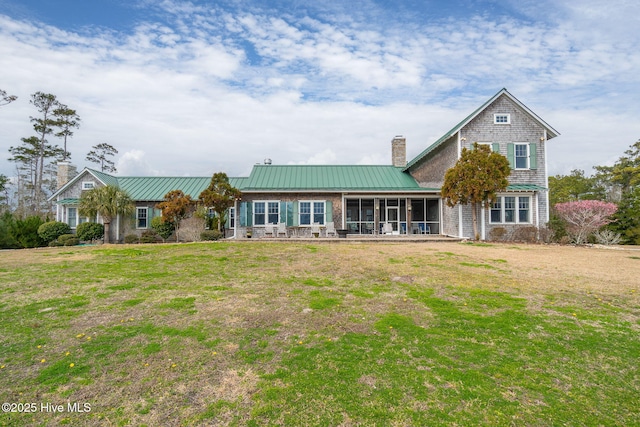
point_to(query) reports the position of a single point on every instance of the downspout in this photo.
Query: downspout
(343, 209)
(235, 220)
(546, 176)
(482, 220)
(460, 233)
(537, 210)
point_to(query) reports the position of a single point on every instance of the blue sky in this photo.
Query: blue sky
(195, 87)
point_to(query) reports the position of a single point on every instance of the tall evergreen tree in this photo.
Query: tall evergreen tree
(28, 158)
(100, 155)
(44, 125)
(66, 120)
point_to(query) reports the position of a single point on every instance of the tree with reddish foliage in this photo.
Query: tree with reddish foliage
(585, 217)
(176, 207)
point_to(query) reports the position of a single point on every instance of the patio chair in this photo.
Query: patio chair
(387, 228)
(331, 229)
(425, 229)
(415, 229)
(315, 229)
(269, 230)
(282, 229)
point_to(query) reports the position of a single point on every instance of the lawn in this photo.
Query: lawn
(327, 334)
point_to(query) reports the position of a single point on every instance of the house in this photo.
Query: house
(401, 198)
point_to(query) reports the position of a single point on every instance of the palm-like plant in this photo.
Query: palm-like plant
(108, 202)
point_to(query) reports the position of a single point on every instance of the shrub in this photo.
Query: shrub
(131, 238)
(67, 240)
(526, 234)
(558, 228)
(90, 231)
(7, 224)
(25, 232)
(498, 234)
(607, 237)
(149, 236)
(211, 235)
(50, 231)
(163, 228)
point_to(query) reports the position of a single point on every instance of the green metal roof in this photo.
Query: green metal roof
(104, 177)
(152, 188)
(551, 132)
(329, 178)
(525, 187)
(68, 202)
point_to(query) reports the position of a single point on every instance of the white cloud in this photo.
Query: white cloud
(133, 163)
(211, 89)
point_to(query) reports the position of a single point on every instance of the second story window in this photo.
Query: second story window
(502, 119)
(522, 156)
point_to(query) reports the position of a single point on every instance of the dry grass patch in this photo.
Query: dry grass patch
(328, 334)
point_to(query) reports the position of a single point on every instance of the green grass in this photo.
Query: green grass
(290, 334)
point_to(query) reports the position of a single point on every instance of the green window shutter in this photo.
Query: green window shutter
(283, 212)
(328, 206)
(289, 214)
(495, 147)
(533, 156)
(295, 214)
(243, 214)
(511, 155)
(246, 214)
(227, 223)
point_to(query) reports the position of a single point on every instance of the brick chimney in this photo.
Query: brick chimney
(399, 151)
(66, 172)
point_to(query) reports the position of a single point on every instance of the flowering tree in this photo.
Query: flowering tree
(585, 217)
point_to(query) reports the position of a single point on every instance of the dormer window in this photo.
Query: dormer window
(88, 185)
(502, 119)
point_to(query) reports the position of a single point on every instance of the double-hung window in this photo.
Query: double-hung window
(141, 217)
(266, 212)
(511, 210)
(312, 212)
(522, 156)
(72, 217)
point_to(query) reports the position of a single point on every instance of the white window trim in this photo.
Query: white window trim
(88, 185)
(528, 156)
(266, 213)
(496, 122)
(516, 208)
(232, 217)
(324, 215)
(72, 226)
(138, 209)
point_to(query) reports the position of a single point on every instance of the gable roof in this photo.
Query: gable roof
(289, 178)
(149, 188)
(551, 132)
